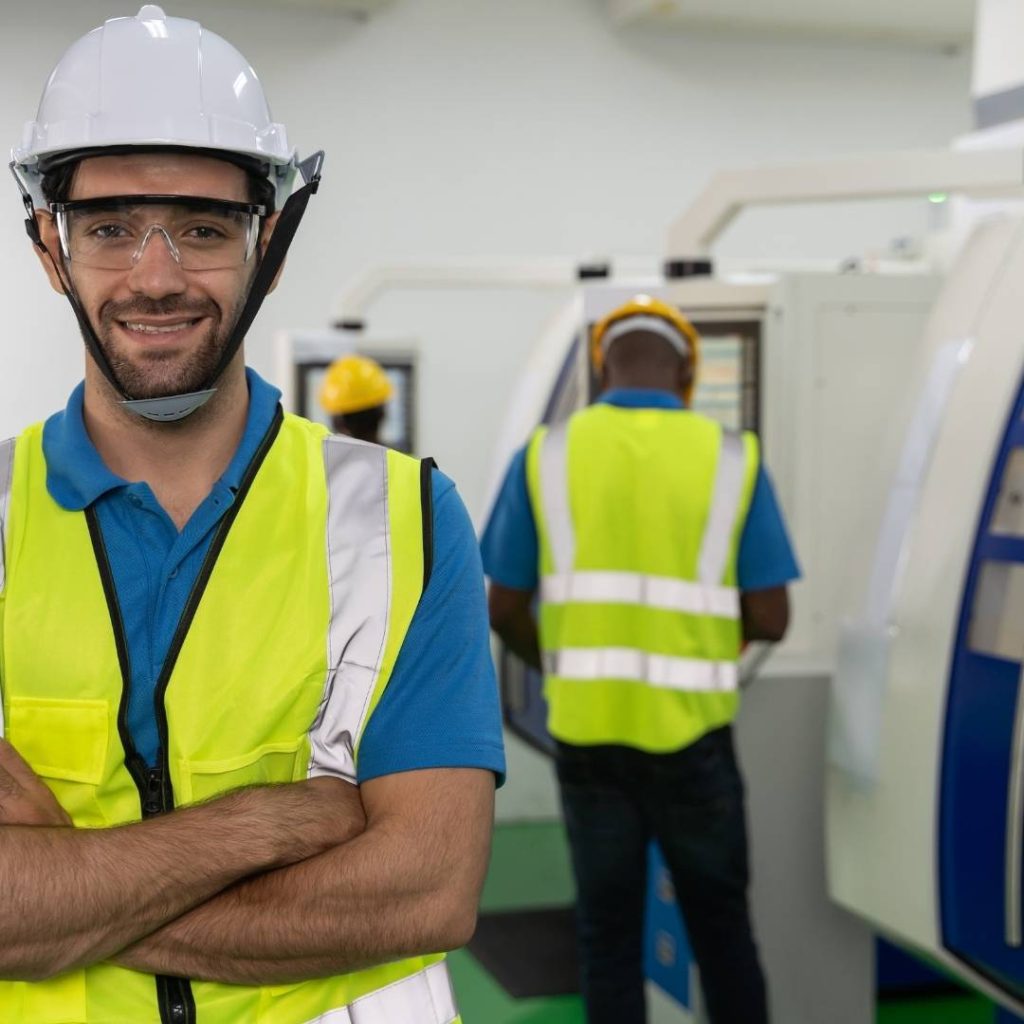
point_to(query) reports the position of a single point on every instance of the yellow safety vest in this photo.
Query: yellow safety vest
(639, 515)
(283, 652)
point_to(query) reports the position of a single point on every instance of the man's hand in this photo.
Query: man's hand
(306, 818)
(24, 798)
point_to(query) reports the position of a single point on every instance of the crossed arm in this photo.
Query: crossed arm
(263, 886)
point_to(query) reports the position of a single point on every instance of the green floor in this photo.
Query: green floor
(530, 867)
(945, 1010)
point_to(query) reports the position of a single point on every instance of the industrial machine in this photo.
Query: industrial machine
(883, 742)
(795, 357)
(926, 779)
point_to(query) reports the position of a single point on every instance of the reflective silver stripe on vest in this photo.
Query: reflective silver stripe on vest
(6, 473)
(554, 496)
(424, 998)
(705, 597)
(358, 563)
(590, 664)
(725, 509)
(664, 592)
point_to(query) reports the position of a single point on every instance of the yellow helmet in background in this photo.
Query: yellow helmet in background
(354, 383)
(667, 321)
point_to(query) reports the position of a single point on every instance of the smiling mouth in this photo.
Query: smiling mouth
(142, 328)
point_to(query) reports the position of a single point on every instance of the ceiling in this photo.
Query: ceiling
(944, 23)
(357, 8)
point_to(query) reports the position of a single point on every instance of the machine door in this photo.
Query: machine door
(981, 825)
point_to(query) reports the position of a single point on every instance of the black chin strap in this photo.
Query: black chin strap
(91, 341)
(277, 248)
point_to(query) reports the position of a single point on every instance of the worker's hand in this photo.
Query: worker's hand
(24, 798)
(302, 819)
(330, 808)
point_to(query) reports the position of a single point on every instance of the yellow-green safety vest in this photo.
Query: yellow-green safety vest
(284, 649)
(639, 515)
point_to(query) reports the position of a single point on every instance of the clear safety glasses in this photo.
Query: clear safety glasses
(112, 233)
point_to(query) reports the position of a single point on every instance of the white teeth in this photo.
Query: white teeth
(159, 329)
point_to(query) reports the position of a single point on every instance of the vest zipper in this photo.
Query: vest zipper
(152, 802)
(192, 606)
(173, 995)
(134, 762)
(175, 999)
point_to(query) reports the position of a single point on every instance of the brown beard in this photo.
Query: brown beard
(164, 374)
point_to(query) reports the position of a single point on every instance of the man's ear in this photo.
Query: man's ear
(48, 236)
(268, 230)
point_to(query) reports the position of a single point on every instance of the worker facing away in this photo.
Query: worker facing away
(260, 780)
(355, 393)
(655, 545)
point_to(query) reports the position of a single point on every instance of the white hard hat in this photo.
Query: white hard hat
(153, 81)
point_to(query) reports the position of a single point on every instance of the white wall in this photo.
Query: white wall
(494, 128)
(998, 47)
(497, 128)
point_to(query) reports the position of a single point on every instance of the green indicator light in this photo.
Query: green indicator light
(937, 197)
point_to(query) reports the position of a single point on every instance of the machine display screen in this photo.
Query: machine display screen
(727, 388)
(397, 430)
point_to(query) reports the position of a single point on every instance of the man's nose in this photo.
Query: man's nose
(156, 269)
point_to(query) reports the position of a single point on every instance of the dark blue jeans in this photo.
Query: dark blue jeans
(615, 800)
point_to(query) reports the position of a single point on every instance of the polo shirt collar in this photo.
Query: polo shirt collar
(76, 475)
(641, 398)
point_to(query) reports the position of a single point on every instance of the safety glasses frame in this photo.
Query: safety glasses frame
(103, 203)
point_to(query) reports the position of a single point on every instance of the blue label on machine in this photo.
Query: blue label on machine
(668, 959)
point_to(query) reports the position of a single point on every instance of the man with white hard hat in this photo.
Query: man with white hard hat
(245, 774)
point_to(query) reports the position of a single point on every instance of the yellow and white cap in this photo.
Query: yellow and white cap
(354, 383)
(646, 313)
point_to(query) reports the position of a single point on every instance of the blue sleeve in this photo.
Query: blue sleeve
(509, 545)
(440, 708)
(766, 556)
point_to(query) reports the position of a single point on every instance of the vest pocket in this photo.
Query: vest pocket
(61, 739)
(269, 763)
(57, 1001)
(65, 742)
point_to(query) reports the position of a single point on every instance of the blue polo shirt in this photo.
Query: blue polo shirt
(440, 708)
(510, 546)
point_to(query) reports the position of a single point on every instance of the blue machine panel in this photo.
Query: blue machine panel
(668, 959)
(898, 972)
(976, 761)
